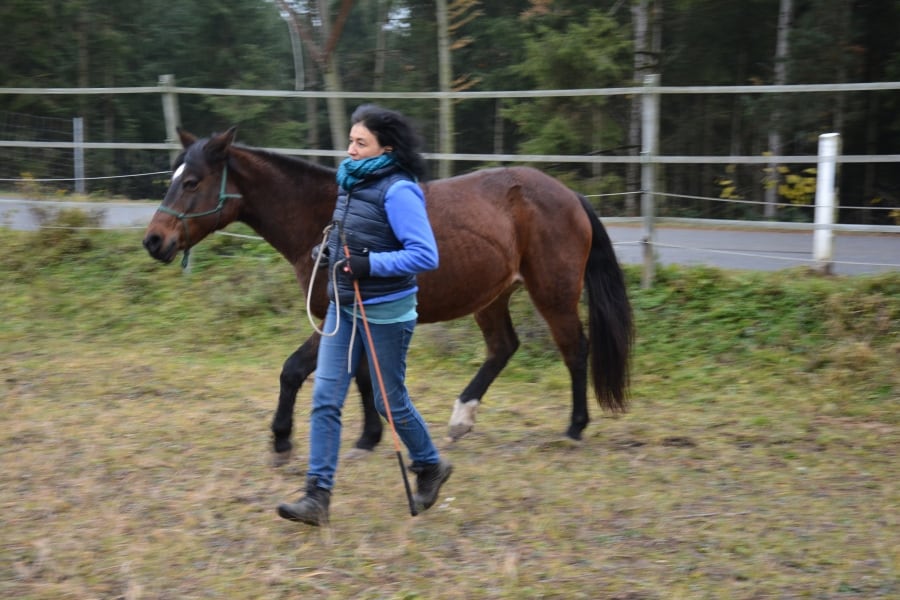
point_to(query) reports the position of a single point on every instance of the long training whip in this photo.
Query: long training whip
(387, 404)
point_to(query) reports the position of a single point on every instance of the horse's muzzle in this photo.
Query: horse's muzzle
(160, 250)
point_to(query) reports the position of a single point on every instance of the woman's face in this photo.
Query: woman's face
(364, 144)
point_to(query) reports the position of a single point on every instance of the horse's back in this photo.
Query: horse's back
(498, 227)
(493, 185)
(487, 195)
(517, 207)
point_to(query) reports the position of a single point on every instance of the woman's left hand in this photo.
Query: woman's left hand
(357, 267)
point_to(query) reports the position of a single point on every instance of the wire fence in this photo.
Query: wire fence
(622, 227)
(21, 180)
(40, 158)
(664, 195)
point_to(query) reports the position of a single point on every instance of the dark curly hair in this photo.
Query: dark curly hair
(397, 131)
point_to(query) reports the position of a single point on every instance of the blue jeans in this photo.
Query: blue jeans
(332, 380)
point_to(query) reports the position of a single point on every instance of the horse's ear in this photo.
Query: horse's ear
(187, 138)
(218, 145)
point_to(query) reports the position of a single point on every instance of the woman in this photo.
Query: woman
(380, 218)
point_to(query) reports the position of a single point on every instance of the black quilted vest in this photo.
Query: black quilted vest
(360, 222)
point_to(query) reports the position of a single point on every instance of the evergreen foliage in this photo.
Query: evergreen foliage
(516, 45)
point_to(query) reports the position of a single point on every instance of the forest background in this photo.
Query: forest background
(397, 45)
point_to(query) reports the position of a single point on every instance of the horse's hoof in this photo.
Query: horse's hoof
(279, 459)
(575, 434)
(568, 442)
(357, 454)
(457, 431)
(462, 421)
(562, 443)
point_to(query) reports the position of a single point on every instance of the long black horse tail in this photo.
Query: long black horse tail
(611, 321)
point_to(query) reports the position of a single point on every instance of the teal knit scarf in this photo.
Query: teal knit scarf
(352, 171)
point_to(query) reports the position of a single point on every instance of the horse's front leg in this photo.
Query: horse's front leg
(296, 369)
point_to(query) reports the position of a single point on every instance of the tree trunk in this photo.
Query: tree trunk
(498, 126)
(782, 53)
(445, 79)
(296, 47)
(300, 71)
(656, 36)
(337, 112)
(597, 141)
(312, 110)
(384, 8)
(640, 19)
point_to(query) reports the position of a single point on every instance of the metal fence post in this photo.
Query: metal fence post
(78, 153)
(823, 236)
(649, 150)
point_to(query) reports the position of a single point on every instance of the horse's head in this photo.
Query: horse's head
(200, 199)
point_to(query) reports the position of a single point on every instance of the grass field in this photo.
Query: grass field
(759, 458)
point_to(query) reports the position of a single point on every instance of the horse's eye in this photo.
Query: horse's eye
(190, 185)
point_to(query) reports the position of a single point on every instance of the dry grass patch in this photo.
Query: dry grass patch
(759, 460)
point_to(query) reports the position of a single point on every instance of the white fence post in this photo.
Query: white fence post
(78, 153)
(823, 236)
(170, 110)
(649, 150)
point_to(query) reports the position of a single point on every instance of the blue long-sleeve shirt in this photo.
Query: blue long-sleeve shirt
(404, 204)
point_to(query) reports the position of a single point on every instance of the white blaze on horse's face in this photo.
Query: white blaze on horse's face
(178, 172)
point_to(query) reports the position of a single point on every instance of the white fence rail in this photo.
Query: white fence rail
(169, 92)
(649, 157)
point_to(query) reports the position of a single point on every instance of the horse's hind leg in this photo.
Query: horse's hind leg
(372, 424)
(502, 342)
(568, 333)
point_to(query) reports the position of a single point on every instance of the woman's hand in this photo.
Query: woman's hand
(357, 267)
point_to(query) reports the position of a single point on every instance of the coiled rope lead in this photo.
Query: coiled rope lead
(337, 300)
(312, 281)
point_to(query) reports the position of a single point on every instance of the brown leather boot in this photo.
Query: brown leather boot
(311, 509)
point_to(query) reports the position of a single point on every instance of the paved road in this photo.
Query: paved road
(16, 213)
(854, 253)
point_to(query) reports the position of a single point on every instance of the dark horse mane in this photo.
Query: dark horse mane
(299, 169)
(294, 165)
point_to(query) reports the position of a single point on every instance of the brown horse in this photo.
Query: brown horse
(496, 229)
